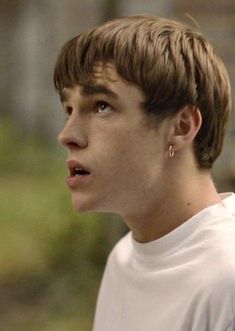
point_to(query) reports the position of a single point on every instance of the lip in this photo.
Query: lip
(78, 180)
(72, 164)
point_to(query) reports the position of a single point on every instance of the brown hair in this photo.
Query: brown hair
(172, 63)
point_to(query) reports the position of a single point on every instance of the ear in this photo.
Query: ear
(185, 125)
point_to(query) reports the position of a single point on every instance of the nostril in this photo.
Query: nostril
(72, 144)
(71, 140)
(66, 140)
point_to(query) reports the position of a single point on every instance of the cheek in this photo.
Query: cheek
(126, 154)
(122, 157)
(121, 148)
(126, 171)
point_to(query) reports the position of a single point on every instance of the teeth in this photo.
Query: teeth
(79, 171)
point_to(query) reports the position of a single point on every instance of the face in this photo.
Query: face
(106, 133)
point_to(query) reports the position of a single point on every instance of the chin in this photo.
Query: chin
(87, 205)
(84, 204)
(81, 206)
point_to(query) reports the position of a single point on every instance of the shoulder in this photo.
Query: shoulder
(216, 258)
(121, 252)
(122, 247)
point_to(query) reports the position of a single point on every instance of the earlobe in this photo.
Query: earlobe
(186, 125)
(171, 151)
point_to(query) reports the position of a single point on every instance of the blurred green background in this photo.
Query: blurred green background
(52, 258)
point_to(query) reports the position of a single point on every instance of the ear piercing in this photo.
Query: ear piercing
(171, 151)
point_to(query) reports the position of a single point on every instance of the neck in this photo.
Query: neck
(176, 205)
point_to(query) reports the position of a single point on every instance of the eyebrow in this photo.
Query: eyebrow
(92, 89)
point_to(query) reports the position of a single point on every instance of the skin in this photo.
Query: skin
(131, 172)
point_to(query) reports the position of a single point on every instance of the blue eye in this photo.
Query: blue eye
(103, 107)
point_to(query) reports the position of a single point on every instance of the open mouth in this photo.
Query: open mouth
(79, 172)
(76, 169)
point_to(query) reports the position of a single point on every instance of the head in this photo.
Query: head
(174, 66)
(132, 87)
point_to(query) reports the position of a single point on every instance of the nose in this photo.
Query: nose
(71, 135)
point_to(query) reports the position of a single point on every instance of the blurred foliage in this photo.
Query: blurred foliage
(51, 258)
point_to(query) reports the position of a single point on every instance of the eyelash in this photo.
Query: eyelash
(101, 103)
(98, 104)
(68, 111)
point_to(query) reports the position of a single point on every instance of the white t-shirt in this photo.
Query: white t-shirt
(184, 281)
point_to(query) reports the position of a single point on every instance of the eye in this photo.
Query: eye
(68, 111)
(103, 107)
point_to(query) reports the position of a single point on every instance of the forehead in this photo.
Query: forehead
(102, 75)
(104, 79)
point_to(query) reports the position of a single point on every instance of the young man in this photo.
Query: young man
(148, 101)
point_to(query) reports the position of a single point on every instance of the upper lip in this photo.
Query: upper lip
(73, 165)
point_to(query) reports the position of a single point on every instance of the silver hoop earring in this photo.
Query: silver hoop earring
(171, 151)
